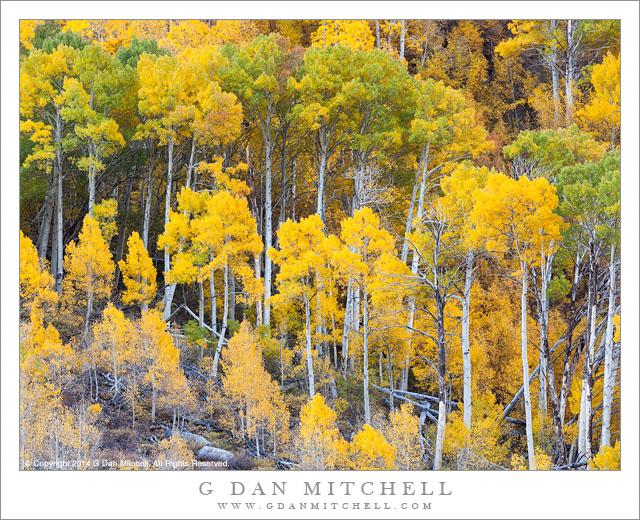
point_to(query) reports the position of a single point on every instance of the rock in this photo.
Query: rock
(215, 454)
(198, 441)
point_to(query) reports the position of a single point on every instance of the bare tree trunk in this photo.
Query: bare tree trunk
(153, 396)
(586, 411)
(466, 352)
(223, 328)
(232, 297)
(442, 383)
(259, 314)
(365, 353)
(169, 290)
(212, 290)
(293, 192)
(307, 314)
(555, 78)
(45, 227)
(59, 234)
(321, 174)
(567, 370)
(147, 203)
(92, 180)
(89, 311)
(191, 163)
(417, 182)
(570, 71)
(525, 368)
(378, 34)
(348, 316)
(609, 364)
(268, 234)
(200, 315)
(586, 418)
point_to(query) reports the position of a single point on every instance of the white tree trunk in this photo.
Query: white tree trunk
(45, 227)
(307, 315)
(570, 71)
(466, 353)
(191, 163)
(321, 174)
(59, 234)
(147, 205)
(212, 290)
(545, 278)
(525, 369)
(407, 229)
(555, 78)
(268, 232)
(92, 182)
(348, 316)
(169, 290)
(586, 411)
(365, 354)
(225, 317)
(609, 364)
(442, 422)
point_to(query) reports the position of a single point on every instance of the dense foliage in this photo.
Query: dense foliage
(321, 244)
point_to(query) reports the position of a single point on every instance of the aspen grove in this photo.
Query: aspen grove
(321, 244)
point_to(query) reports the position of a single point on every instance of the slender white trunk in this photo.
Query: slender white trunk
(609, 364)
(417, 182)
(92, 181)
(586, 411)
(347, 326)
(555, 78)
(570, 72)
(565, 373)
(525, 369)
(212, 290)
(147, 205)
(259, 308)
(321, 174)
(153, 395)
(545, 277)
(307, 314)
(223, 328)
(200, 315)
(402, 36)
(59, 234)
(43, 236)
(365, 354)
(442, 420)
(466, 353)
(191, 163)
(378, 34)
(169, 290)
(268, 233)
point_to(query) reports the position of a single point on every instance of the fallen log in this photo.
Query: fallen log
(214, 454)
(424, 397)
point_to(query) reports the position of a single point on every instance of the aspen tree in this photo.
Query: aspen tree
(366, 244)
(89, 269)
(320, 443)
(138, 273)
(518, 215)
(301, 257)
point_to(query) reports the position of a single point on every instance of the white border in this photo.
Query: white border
(162, 495)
